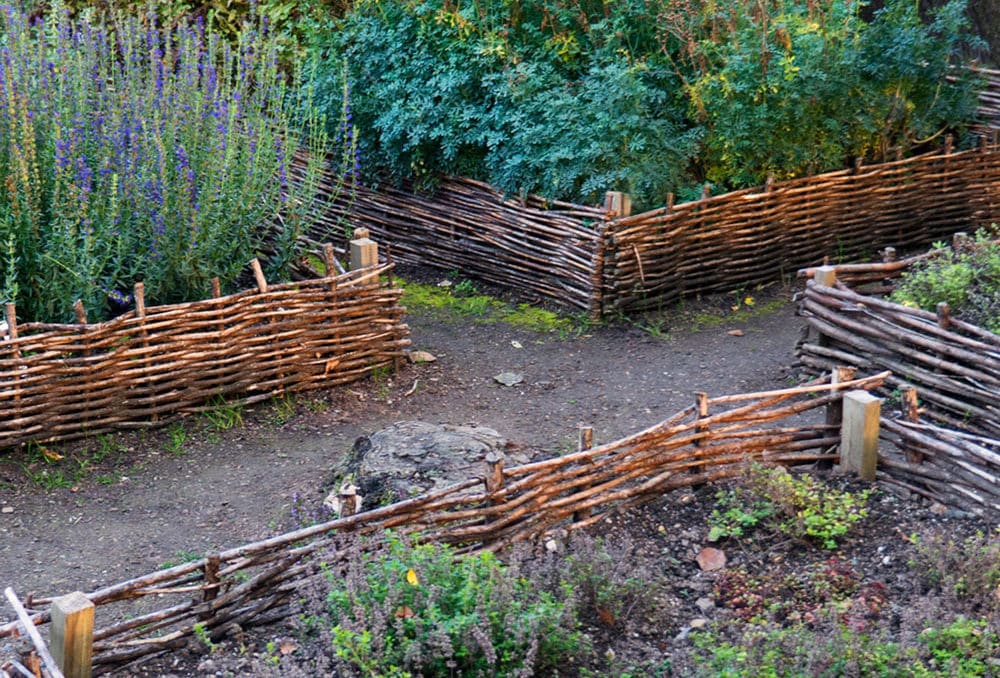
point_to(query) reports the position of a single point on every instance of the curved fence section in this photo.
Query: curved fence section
(146, 367)
(712, 440)
(954, 365)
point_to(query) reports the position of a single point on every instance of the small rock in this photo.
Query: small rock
(887, 560)
(682, 636)
(710, 559)
(735, 333)
(7, 509)
(938, 509)
(698, 623)
(705, 605)
(421, 357)
(551, 546)
(509, 378)
(516, 344)
(444, 283)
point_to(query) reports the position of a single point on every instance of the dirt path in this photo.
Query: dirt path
(157, 499)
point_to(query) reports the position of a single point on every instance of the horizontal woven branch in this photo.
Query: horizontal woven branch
(154, 364)
(563, 493)
(951, 467)
(954, 365)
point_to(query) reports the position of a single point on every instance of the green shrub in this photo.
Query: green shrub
(571, 98)
(805, 87)
(801, 508)
(424, 610)
(968, 281)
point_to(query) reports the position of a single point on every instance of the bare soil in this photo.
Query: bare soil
(138, 501)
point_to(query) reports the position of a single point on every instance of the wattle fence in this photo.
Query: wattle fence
(151, 365)
(713, 439)
(598, 261)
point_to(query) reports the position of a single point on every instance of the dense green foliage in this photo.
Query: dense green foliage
(798, 507)
(135, 153)
(569, 98)
(967, 280)
(423, 610)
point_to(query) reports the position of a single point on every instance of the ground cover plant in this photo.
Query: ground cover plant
(136, 152)
(572, 98)
(967, 279)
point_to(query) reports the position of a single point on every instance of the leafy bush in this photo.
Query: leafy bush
(131, 152)
(805, 87)
(801, 508)
(570, 98)
(423, 610)
(967, 280)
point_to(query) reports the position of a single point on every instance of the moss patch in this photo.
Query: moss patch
(456, 301)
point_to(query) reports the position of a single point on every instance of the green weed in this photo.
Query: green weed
(223, 415)
(800, 508)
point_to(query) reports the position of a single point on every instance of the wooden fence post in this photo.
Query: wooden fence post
(586, 442)
(364, 250)
(835, 410)
(825, 276)
(911, 410)
(701, 411)
(71, 635)
(859, 433)
(494, 478)
(618, 204)
(348, 501)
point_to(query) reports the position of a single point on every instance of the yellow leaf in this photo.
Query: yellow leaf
(50, 455)
(748, 301)
(411, 577)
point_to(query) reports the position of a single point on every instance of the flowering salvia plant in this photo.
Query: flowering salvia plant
(134, 152)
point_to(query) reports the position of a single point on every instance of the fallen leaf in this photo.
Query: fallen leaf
(405, 612)
(516, 344)
(710, 559)
(50, 455)
(749, 301)
(287, 647)
(735, 333)
(422, 357)
(411, 578)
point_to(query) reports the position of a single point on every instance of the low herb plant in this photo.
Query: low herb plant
(424, 610)
(967, 280)
(800, 508)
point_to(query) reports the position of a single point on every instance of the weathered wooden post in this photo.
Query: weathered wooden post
(825, 276)
(494, 477)
(618, 204)
(586, 442)
(364, 250)
(911, 410)
(859, 433)
(348, 500)
(701, 412)
(71, 635)
(835, 410)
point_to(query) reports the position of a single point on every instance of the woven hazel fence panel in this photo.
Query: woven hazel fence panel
(989, 98)
(955, 365)
(547, 249)
(150, 365)
(757, 236)
(954, 468)
(712, 440)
